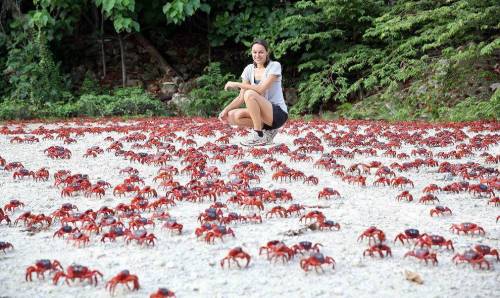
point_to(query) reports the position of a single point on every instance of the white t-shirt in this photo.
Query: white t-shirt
(275, 92)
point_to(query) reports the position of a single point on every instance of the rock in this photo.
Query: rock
(179, 99)
(135, 83)
(186, 87)
(494, 86)
(167, 90)
(291, 96)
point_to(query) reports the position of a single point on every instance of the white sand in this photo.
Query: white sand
(190, 267)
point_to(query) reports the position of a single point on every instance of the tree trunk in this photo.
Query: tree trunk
(162, 63)
(208, 40)
(122, 54)
(103, 54)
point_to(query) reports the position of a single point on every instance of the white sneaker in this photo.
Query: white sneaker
(254, 140)
(270, 134)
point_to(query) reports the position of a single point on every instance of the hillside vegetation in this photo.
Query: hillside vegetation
(366, 59)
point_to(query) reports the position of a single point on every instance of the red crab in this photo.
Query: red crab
(479, 189)
(385, 171)
(428, 198)
(173, 225)
(401, 181)
(40, 267)
(328, 224)
(440, 210)
(124, 277)
(233, 255)
(148, 191)
(252, 202)
(372, 233)
(204, 228)
(408, 234)
(378, 248)
(113, 233)
(162, 293)
(431, 188)
(295, 208)
(77, 271)
(65, 229)
(429, 241)
(21, 173)
(277, 194)
(129, 171)
(495, 201)
(13, 166)
(472, 257)
(121, 189)
(3, 217)
(423, 254)
(140, 222)
(218, 232)
(278, 250)
(5, 245)
(79, 239)
(405, 195)
(316, 260)
(311, 180)
(95, 190)
(42, 174)
(141, 236)
(315, 214)
(382, 181)
(467, 227)
(305, 246)
(253, 218)
(327, 193)
(486, 250)
(278, 210)
(13, 204)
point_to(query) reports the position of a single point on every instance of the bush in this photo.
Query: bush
(209, 98)
(15, 110)
(124, 101)
(473, 109)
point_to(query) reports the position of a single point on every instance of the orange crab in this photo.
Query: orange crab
(316, 260)
(233, 255)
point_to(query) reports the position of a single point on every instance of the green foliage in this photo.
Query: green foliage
(178, 10)
(242, 21)
(209, 98)
(124, 101)
(45, 80)
(121, 12)
(472, 109)
(16, 110)
(33, 74)
(350, 49)
(89, 85)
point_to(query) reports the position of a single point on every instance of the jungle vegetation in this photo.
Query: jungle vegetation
(434, 60)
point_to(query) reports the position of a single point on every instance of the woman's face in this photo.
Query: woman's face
(259, 54)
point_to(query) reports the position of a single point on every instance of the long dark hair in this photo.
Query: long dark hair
(264, 44)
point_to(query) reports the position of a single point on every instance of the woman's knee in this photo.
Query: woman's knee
(231, 117)
(249, 94)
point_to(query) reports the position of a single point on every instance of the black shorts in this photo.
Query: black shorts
(279, 118)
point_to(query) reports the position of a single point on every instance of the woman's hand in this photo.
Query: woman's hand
(223, 116)
(231, 85)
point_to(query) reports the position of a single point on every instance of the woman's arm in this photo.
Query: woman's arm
(261, 88)
(237, 102)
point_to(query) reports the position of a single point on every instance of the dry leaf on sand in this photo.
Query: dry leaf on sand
(413, 277)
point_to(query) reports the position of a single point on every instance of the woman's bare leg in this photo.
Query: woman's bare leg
(259, 109)
(240, 117)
